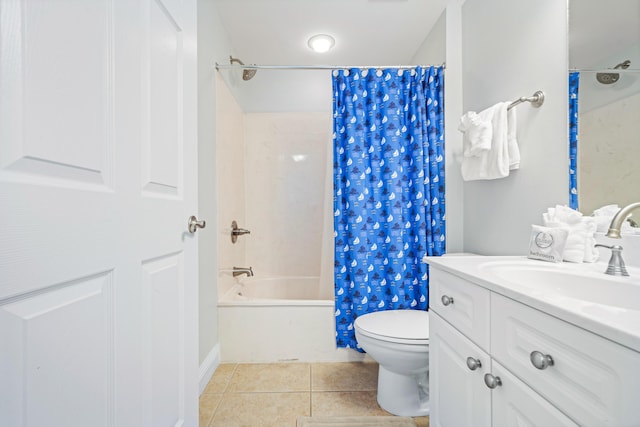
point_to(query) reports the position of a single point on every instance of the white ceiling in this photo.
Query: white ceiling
(275, 32)
(380, 32)
(367, 32)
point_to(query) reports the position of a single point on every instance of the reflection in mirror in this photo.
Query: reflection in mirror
(604, 47)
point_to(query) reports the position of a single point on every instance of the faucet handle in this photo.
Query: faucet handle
(616, 265)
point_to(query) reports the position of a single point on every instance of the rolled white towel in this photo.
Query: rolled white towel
(580, 246)
(574, 247)
(591, 254)
(564, 214)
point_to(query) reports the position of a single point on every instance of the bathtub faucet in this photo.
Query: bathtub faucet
(238, 271)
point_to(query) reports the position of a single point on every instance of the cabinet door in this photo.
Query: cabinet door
(515, 404)
(458, 395)
(593, 380)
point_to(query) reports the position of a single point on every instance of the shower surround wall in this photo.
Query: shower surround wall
(230, 184)
(606, 143)
(273, 178)
(287, 159)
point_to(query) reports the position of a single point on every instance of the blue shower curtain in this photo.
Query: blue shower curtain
(574, 83)
(388, 190)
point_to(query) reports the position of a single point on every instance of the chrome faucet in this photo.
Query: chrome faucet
(618, 219)
(238, 271)
(616, 265)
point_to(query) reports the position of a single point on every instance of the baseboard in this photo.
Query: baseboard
(209, 366)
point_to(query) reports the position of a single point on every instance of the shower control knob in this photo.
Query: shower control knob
(473, 364)
(492, 381)
(540, 360)
(194, 224)
(446, 300)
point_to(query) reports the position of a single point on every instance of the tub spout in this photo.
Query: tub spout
(238, 271)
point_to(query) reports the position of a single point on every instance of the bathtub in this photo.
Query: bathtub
(276, 319)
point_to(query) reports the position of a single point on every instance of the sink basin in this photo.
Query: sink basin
(568, 281)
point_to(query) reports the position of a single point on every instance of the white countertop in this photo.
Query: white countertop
(618, 324)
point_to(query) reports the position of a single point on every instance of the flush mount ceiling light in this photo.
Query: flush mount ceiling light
(321, 43)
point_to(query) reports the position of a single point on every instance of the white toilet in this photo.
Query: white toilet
(399, 341)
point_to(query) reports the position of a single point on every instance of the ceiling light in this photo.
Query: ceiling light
(321, 43)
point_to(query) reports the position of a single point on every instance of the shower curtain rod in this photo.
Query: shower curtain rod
(605, 70)
(315, 67)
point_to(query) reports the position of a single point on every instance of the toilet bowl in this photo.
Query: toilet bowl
(399, 341)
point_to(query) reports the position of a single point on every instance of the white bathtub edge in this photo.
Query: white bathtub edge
(208, 367)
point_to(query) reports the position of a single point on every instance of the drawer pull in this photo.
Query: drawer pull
(447, 300)
(540, 360)
(491, 381)
(473, 364)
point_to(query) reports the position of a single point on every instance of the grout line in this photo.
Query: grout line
(310, 389)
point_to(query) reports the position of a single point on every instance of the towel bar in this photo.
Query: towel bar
(536, 100)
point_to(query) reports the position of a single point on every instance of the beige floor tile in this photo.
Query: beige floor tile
(208, 405)
(220, 379)
(421, 421)
(270, 377)
(347, 376)
(355, 403)
(261, 409)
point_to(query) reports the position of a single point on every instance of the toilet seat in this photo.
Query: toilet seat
(396, 326)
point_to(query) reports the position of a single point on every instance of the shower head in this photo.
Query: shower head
(609, 78)
(247, 73)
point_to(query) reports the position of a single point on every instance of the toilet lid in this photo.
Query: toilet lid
(395, 325)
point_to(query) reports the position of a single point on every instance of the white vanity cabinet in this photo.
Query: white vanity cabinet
(587, 380)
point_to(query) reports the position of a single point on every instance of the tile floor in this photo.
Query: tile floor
(274, 394)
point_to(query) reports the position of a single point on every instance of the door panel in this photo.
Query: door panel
(98, 274)
(162, 142)
(163, 322)
(47, 352)
(40, 140)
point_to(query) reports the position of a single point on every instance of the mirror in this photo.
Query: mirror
(603, 36)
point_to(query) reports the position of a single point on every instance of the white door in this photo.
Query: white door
(98, 273)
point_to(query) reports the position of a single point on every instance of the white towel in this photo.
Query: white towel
(591, 254)
(580, 246)
(477, 134)
(493, 163)
(512, 142)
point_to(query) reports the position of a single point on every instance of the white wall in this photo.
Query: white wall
(212, 46)
(433, 49)
(443, 45)
(511, 49)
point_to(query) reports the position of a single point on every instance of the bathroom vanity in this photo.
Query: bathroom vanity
(515, 341)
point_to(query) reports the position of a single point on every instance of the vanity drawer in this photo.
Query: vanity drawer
(461, 303)
(596, 382)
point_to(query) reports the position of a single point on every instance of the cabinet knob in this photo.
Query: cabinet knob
(492, 381)
(540, 360)
(446, 300)
(473, 364)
